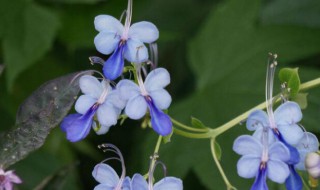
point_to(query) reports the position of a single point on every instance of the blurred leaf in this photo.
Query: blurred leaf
(28, 35)
(304, 13)
(301, 99)
(229, 57)
(73, 1)
(291, 78)
(197, 123)
(42, 111)
(1, 69)
(57, 180)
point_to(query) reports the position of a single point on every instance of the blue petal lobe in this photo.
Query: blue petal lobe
(160, 121)
(260, 182)
(113, 67)
(78, 126)
(293, 182)
(294, 154)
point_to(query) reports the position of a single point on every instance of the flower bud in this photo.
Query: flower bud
(312, 163)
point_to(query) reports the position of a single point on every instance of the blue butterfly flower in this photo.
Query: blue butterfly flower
(261, 160)
(98, 99)
(124, 41)
(167, 183)
(148, 95)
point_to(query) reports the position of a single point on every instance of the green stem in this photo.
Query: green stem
(192, 135)
(225, 179)
(156, 152)
(177, 123)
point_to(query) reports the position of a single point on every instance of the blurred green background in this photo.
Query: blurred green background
(216, 52)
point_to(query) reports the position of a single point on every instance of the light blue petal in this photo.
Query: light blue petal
(260, 181)
(160, 121)
(126, 184)
(157, 79)
(108, 23)
(107, 115)
(259, 132)
(277, 171)
(278, 151)
(136, 107)
(292, 134)
(294, 154)
(84, 103)
(288, 113)
(248, 166)
(144, 31)
(169, 183)
(161, 98)
(102, 130)
(106, 42)
(91, 86)
(103, 187)
(114, 99)
(135, 51)
(247, 145)
(105, 174)
(113, 67)
(293, 182)
(128, 89)
(257, 119)
(139, 183)
(309, 143)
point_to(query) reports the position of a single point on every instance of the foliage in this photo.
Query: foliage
(214, 50)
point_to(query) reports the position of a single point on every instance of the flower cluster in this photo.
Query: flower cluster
(278, 145)
(7, 179)
(102, 101)
(109, 179)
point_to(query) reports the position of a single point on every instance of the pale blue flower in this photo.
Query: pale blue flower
(261, 160)
(309, 143)
(109, 179)
(167, 183)
(99, 99)
(151, 96)
(124, 41)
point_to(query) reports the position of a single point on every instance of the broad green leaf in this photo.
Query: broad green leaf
(28, 36)
(197, 123)
(292, 80)
(73, 1)
(304, 13)
(41, 112)
(228, 57)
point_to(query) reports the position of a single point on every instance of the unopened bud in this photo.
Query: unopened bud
(312, 163)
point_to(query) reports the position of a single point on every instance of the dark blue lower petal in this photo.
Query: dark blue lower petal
(113, 67)
(78, 126)
(294, 154)
(293, 182)
(260, 182)
(160, 121)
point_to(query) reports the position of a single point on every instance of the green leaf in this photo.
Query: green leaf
(73, 1)
(304, 13)
(291, 78)
(228, 56)
(28, 36)
(301, 99)
(41, 112)
(197, 123)
(1, 69)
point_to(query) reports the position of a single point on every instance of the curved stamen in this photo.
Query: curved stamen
(110, 147)
(140, 81)
(272, 63)
(152, 169)
(128, 20)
